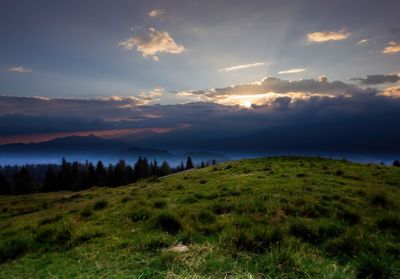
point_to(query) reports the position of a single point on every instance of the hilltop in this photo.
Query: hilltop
(281, 217)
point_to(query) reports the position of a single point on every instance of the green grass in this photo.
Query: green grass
(284, 217)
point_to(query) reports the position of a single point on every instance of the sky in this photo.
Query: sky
(225, 66)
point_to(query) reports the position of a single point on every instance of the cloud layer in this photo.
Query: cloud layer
(378, 79)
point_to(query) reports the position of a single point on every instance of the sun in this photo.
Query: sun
(247, 103)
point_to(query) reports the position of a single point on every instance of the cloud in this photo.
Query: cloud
(392, 92)
(276, 85)
(392, 48)
(292, 71)
(156, 13)
(150, 42)
(326, 36)
(19, 69)
(363, 42)
(241, 67)
(378, 79)
(302, 116)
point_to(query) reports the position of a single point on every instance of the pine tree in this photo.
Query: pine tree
(164, 169)
(189, 163)
(154, 168)
(50, 182)
(202, 165)
(65, 175)
(23, 182)
(101, 174)
(5, 186)
(213, 162)
(396, 163)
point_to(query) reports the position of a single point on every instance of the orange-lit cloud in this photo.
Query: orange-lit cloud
(155, 13)
(292, 71)
(241, 67)
(392, 48)
(150, 42)
(326, 36)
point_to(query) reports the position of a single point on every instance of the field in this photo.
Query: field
(280, 217)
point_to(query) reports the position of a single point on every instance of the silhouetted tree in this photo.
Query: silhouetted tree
(120, 174)
(164, 169)
(5, 186)
(50, 182)
(141, 169)
(65, 175)
(396, 163)
(154, 168)
(101, 174)
(23, 182)
(202, 165)
(213, 162)
(189, 163)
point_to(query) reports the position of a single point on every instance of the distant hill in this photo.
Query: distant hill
(149, 153)
(206, 156)
(67, 145)
(283, 217)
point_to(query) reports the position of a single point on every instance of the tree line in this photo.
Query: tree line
(74, 176)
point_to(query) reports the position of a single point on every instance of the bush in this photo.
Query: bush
(303, 231)
(54, 236)
(160, 204)
(156, 242)
(140, 214)
(221, 208)
(349, 217)
(380, 199)
(374, 266)
(206, 217)
(50, 220)
(13, 248)
(86, 212)
(100, 204)
(251, 239)
(389, 223)
(168, 223)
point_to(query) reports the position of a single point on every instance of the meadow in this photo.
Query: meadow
(279, 217)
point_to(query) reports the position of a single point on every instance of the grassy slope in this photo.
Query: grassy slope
(265, 218)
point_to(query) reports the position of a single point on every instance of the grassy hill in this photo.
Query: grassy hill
(278, 217)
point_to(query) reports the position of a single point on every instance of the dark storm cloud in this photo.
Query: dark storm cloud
(271, 84)
(378, 79)
(361, 120)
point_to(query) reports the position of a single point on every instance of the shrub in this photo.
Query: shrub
(206, 217)
(100, 204)
(251, 239)
(221, 208)
(375, 266)
(50, 220)
(140, 214)
(156, 242)
(303, 231)
(86, 212)
(349, 217)
(380, 199)
(13, 248)
(160, 204)
(168, 223)
(339, 172)
(389, 223)
(54, 236)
